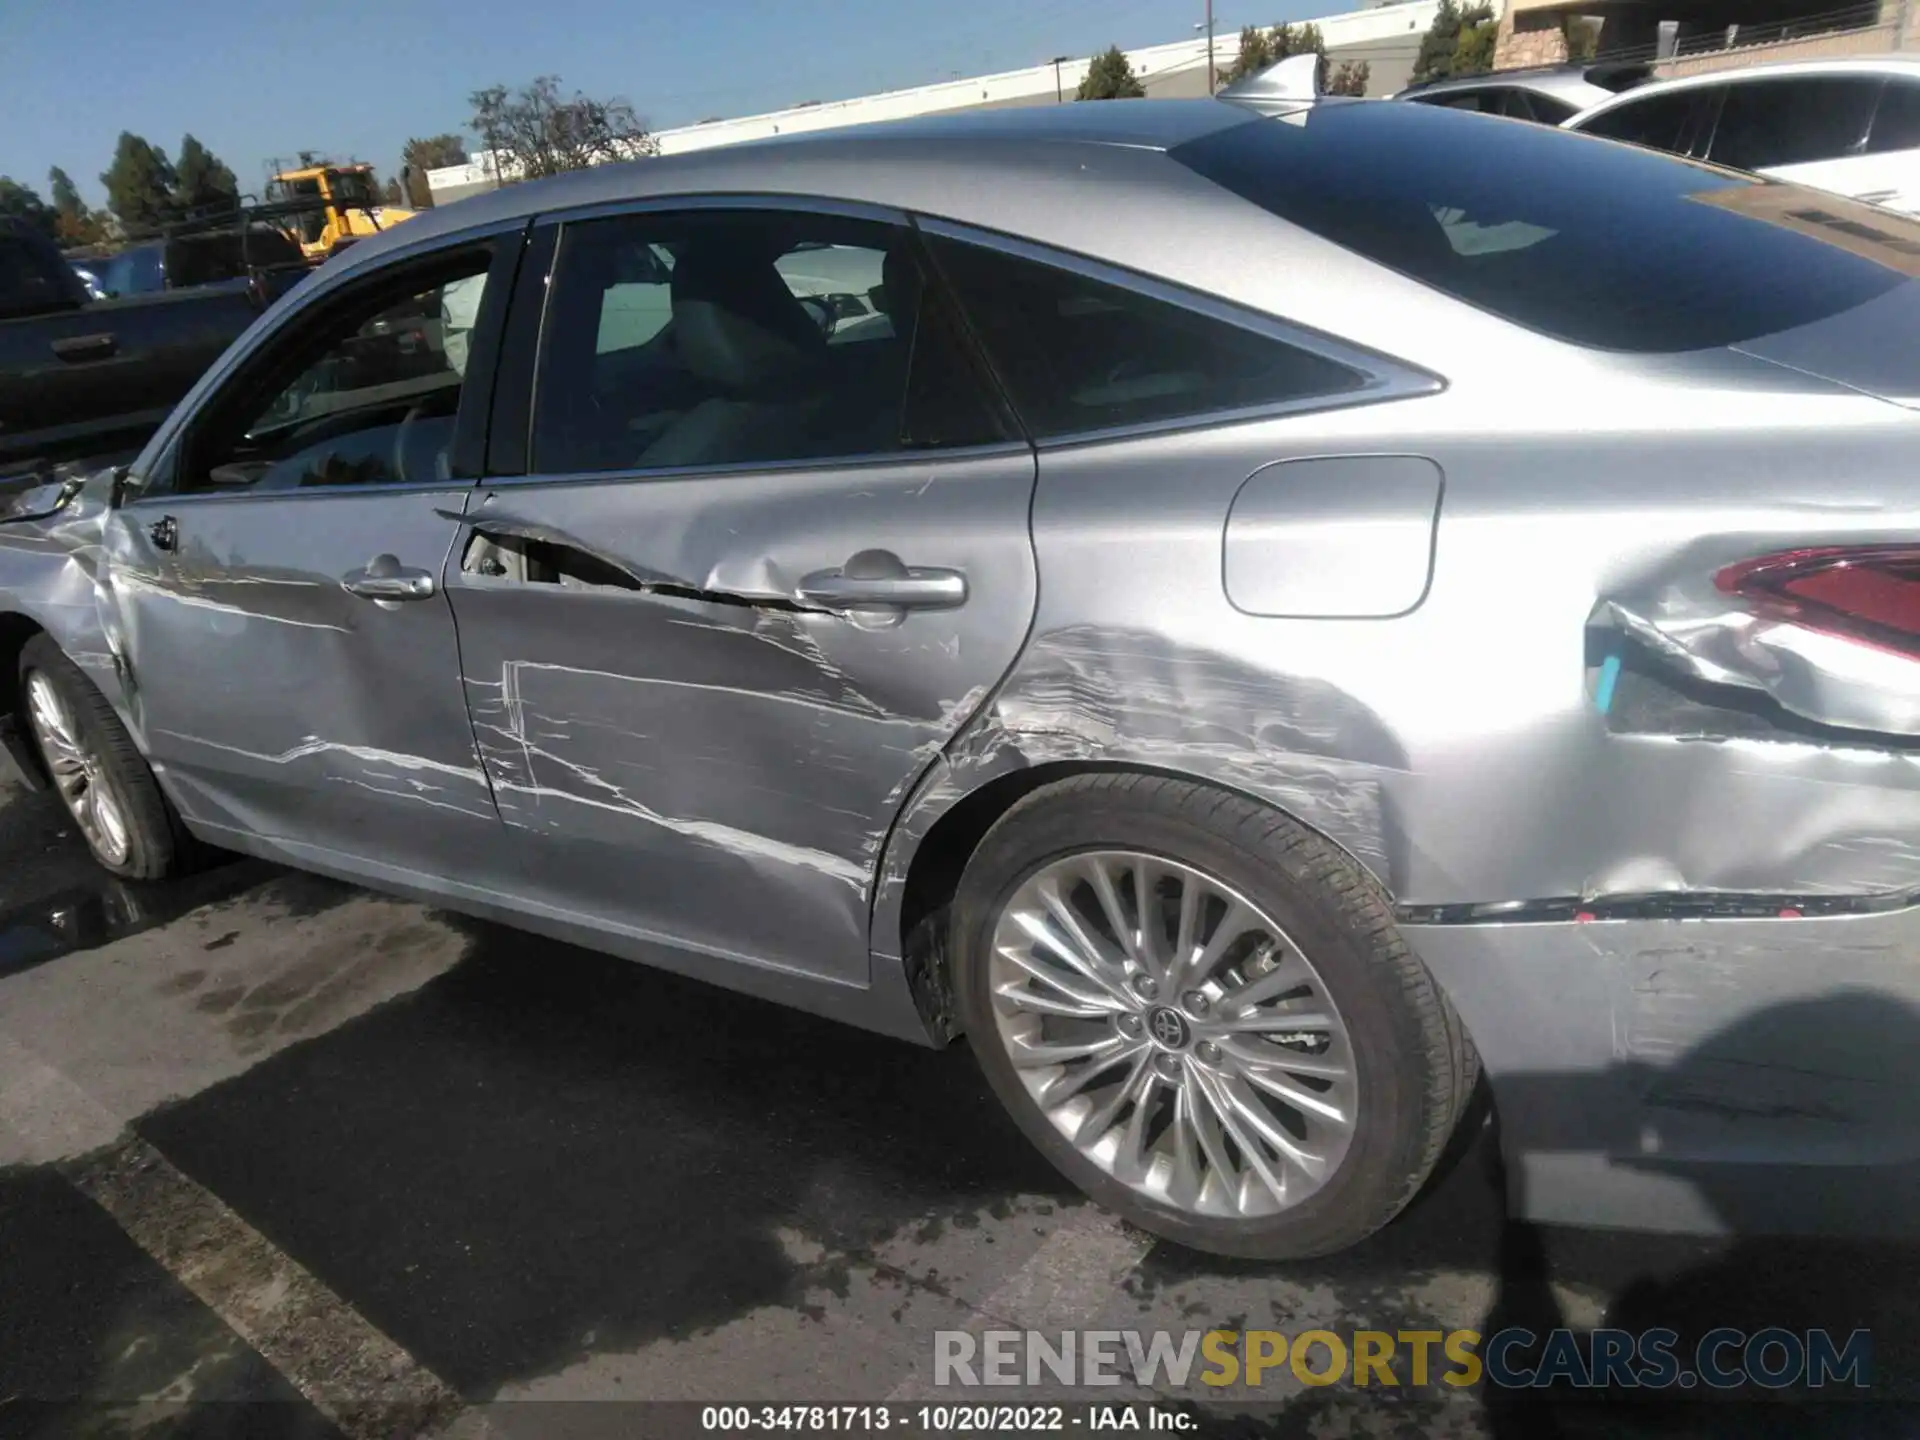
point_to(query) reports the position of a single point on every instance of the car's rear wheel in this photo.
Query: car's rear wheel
(98, 770)
(1202, 1013)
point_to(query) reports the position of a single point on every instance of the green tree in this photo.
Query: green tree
(1350, 79)
(418, 156)
(1256, 54)
(74, 223)
(66, 195)
(392, 194)
(22, 205)
(1459, 42)
(1479, 32)
(140, 184)
(202, 180)
(1110, 77)
(1583, 36)
(1260, 50)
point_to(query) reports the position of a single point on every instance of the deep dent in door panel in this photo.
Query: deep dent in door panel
(229, 608)
(649, 698)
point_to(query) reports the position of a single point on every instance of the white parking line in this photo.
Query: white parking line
(350, 1371)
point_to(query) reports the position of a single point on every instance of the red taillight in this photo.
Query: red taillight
(1867, 593)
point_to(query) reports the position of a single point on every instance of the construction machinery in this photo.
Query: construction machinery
(326, 207)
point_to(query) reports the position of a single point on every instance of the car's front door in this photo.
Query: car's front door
(771, 552)
(295, 672)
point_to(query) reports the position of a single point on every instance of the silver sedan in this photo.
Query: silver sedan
(1248, 617)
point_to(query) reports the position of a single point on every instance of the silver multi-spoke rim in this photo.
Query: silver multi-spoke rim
(1173, 1033)
(77, 772)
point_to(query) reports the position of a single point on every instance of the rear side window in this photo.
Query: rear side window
(1896, 124)
(1660, 122)
(1794, 121)
(1602, 245)
(1544, 108)
(1081, 355)
(743, 338)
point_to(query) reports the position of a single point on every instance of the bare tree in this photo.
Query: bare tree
(537, 130)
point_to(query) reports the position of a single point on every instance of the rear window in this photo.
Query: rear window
(1603, 245)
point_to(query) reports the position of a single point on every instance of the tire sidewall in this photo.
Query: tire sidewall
(1387, 1134)
(151, 842)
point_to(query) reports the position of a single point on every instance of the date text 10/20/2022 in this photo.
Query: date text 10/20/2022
(1772, 1358)
(917, 1419)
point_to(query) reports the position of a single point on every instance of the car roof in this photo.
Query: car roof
(1567, 82)
(876, 163)
(1906, 65)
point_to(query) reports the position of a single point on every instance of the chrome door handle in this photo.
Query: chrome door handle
(877, 579)
(386, 580)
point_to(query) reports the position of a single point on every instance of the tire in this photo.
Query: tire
(1411, 1064)
(157, 845)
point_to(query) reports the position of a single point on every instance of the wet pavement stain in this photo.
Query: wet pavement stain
(544, 1144)
(85, 917)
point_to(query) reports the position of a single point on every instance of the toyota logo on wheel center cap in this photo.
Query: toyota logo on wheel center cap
(1168, 1027)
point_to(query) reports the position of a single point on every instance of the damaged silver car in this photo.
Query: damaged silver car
(1248, 617)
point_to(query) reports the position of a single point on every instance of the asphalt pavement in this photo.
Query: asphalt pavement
(279, 1157)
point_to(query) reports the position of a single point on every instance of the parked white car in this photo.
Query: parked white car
(1849, 126)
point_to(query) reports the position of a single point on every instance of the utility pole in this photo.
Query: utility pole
(1058, 97)
(1208, 22)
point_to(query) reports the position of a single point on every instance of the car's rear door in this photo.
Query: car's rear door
(294, 668)
(724, 600)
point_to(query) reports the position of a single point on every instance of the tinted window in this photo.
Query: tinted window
(1658, 121)
(1081, 355)
(1602, 245)
(1793, 121)
(365, 394)
(1485, 101)
(742, 338)
(1896, 124)
(1545, 109)
(26, 281)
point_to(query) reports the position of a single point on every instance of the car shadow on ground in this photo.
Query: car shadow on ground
(546, 1153)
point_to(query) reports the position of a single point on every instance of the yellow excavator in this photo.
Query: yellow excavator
(326, 207)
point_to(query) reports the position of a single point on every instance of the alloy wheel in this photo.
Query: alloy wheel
(1173, 1033)
(77, 772)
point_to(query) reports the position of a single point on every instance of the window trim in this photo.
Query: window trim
(161, 483)
(316, 289)
(1384, 377)
(516, 396)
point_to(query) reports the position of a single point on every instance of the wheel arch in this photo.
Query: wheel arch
(934, 864)
(16, 629)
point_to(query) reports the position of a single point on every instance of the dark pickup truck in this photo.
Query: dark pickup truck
(90, 380)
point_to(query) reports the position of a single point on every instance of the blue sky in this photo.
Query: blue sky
(357, 77)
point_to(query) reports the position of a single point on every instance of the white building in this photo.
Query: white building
(1385, 36)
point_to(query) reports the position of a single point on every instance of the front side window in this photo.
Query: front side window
(1794, 121)
(367, 394)
(1082, 355)
(741, 338)
(1659, 122)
